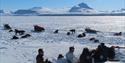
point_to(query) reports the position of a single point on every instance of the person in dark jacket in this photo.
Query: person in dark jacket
(101, 53)
(111, 53)
(39, 57)
(85, 57)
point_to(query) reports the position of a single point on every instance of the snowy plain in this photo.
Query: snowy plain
(25, 50)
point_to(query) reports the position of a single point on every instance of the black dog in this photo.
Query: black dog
(68, 33)
(25, 36)
(118, 34)
(72, 31)
(7, 27)
(81, 35)
(20, 32)
(10, 30)
(92, 39)
(56, 31)
(15, 37)
(96, 41)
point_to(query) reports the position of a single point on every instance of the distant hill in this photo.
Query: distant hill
(81, 9)
(5, 13)
(1, 11)
(25, 12)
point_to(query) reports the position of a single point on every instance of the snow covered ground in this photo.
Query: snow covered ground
(25, 50)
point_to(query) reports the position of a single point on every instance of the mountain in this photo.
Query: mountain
(122, 10)
(25, 12)
(5, 12)
(1, 11)
(82, 7)
(44, 10)
(32, 11)
(41, 10)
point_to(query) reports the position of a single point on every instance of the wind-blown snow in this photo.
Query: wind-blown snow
(25, 50)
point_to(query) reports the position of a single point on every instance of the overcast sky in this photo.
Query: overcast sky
(96, 4)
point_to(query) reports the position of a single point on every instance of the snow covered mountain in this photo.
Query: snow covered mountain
(25, 12)
(122, 10)
(82, 7)
(45, 10)
(41, 9)
(5, 12)
(32, 11)
(1, 11)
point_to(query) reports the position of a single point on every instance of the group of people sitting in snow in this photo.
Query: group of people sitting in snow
(101, 54)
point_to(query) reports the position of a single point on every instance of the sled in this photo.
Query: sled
(112, 62)
(120, 47)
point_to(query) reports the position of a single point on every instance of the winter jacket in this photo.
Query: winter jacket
(39, 59)
(61, 60)
(70, 57)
